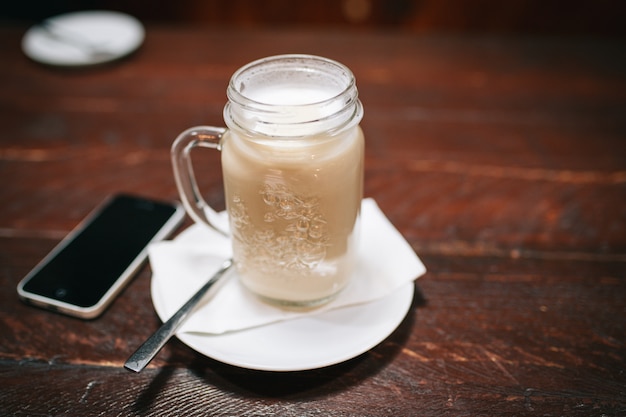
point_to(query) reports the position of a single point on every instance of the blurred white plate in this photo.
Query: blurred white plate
(83, 38)
(305, 343)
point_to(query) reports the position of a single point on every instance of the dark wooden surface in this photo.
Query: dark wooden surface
(501, 160)
(546, 17)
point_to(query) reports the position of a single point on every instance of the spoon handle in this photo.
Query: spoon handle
(148, 350)
(73, 38)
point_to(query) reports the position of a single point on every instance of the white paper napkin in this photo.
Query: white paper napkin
(386, 262)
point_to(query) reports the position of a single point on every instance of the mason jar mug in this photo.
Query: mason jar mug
(292, 165)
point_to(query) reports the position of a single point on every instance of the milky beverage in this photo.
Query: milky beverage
(293, 200)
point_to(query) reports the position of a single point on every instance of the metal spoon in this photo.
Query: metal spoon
(148, 350)
(67, 36)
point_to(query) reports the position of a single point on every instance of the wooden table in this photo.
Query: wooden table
(501, 161)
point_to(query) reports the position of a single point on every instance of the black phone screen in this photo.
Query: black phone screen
(93, 260)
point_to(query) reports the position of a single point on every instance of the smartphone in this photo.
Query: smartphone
(87, 269)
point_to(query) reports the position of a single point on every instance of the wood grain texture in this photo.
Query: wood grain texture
(502, 161)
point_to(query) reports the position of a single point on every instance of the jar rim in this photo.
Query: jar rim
(292, 95)
(235, 94)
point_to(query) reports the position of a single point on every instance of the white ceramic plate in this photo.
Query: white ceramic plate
(83, 38)
(305, 343)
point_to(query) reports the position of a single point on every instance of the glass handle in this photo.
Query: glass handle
(199, 136)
